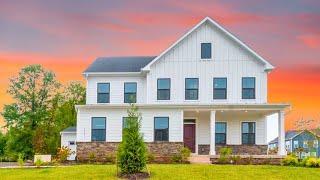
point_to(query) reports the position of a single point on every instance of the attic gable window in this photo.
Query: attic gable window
(205, 50)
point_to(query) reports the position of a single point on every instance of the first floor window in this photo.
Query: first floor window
(161, 129)
(248, 88)
(98, 129)
(71, 143)
(248, 133)
(163, 89)
(103, 95)
(305, 144)
(296, 144)
(130, 92)
(220, 88)
(191, 88)
(221, 132)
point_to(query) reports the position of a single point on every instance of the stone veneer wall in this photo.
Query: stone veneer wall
(161, 150)
(204, 149)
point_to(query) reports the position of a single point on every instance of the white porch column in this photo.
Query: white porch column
(212, 133)
(281, 136)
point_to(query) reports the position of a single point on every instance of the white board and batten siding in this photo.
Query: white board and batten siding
(114, 123)
(228, 60)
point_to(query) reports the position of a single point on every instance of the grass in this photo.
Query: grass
(167, 171)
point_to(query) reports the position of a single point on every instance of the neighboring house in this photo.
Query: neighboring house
(206, 91)
(302, 143)
(68, 139)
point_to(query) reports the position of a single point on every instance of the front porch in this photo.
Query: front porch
(243, 130)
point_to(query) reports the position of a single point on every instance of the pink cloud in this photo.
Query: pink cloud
(311, 41)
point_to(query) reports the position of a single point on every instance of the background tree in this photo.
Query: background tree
(33, 91)
(132, 151)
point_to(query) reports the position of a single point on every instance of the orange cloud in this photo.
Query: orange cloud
(311, 41)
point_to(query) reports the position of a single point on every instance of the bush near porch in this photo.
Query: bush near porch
(167, 171)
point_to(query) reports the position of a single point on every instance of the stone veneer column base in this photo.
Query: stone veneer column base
(162, 151)
(204, 149)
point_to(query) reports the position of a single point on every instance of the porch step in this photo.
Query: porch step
(199, 159)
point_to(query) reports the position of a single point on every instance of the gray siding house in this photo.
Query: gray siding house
(302, 143)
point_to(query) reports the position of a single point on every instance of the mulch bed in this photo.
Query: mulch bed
(141, 175)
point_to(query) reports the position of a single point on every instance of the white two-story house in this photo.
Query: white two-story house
(206, 91)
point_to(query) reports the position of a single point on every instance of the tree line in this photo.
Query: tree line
(42, 108)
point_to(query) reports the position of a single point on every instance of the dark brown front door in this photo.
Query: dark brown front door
(189, 136)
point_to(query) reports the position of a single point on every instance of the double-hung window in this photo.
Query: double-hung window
(248, 88)
(305, 144)
(315, 143)
(130, 92)
(219, 88)
(163, 89)
(221, 132)
(103, 95)
(248, 133)
(191, 89)
(161, 129)
(98, 129)
(205, 50)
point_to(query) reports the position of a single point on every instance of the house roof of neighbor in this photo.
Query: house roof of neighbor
(70, 129)
(119, 64)
(293, 133)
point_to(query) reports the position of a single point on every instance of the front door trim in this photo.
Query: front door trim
(196, 123)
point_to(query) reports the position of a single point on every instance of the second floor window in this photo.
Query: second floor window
(130, 92)
(103, 95)
(192, 89)
(305, 144)
(248, 88)
(315, 143)
(163, 89)
(248, 133)
(205, 50)
(295, 144)
(221, 132)
(220, 88)
(161, 129)
(98, 129)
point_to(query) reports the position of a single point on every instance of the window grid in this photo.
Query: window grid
(219, 92)
(163, 93)
(130, 96)
(193, 92)
(103, 96)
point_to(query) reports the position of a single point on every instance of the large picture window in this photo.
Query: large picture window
(248, 133)
(219, 88)
(221, 132)
(103, 95)
(205, 50)
(161, 129)
(163, 89)
(98, 129)
(130, 92)
(248, 88)
(191, 88)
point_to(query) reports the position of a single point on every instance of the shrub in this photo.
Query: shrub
(38, 163)
(185, 154)
(176, 158)
(110, 158)
(236, 159)
(312, 162)
(303, 162)
(63, 153)
(132, 151)
(20, 160)
(290, 161)
(224, 155)
(150, 157)
(92, 157)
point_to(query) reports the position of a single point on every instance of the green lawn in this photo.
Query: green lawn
(167, 172)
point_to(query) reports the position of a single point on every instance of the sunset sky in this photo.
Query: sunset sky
(66, 36)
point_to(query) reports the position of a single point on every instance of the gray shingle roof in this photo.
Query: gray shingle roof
(70, 129)
(289, 135)
(119, 64)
